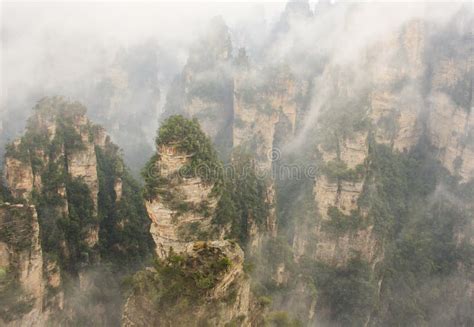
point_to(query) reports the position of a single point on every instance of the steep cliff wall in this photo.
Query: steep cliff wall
(408, 97)
(450, 122)
(262, 99)
(59, 142)
(397, 69)
(21, 267)
(266, 104)
(384, 98)
(399, 113)
(89, 208)
(399, 110)
(387, 217)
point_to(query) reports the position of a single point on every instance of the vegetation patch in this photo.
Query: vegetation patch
(14, 302)
(181, 283)
(243, 198)
(16, 227)
(340, 223)
(187, 138)
(124, 237)
(337, 170)
(414, 203)
(348, 291)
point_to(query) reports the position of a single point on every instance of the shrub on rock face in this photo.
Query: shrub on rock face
(186, 135)
(187, 138)
(201, 283)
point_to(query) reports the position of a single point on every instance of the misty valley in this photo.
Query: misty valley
(237, 164)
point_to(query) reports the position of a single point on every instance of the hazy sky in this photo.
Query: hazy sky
(69, 39)
(64, 48)
(66, 36)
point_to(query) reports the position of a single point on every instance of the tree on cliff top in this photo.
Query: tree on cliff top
(187, 137)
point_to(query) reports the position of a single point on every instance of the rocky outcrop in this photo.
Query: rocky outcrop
(266, 105)
(419, 95)
(59, 136)
(118, 189)
(338, 192)
(193, 207)
(406, 90)
(184, 213)
(62, 165)
(225, 300)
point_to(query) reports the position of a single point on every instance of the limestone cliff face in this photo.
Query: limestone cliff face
(451, 129)
(262, 100)
(185, 209)
(340, 195)
(186, 217)
(411, 87)
(239, 106)
(450, 122)
(226, 301)
(397, 67)
(342, 148)
(412, 91)
(19, 176)
(400, 113)
(74, 139)
(266, 105)
(21, 267)
(26, 164)
(82, 163)
(63, 165)
(399, 105)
